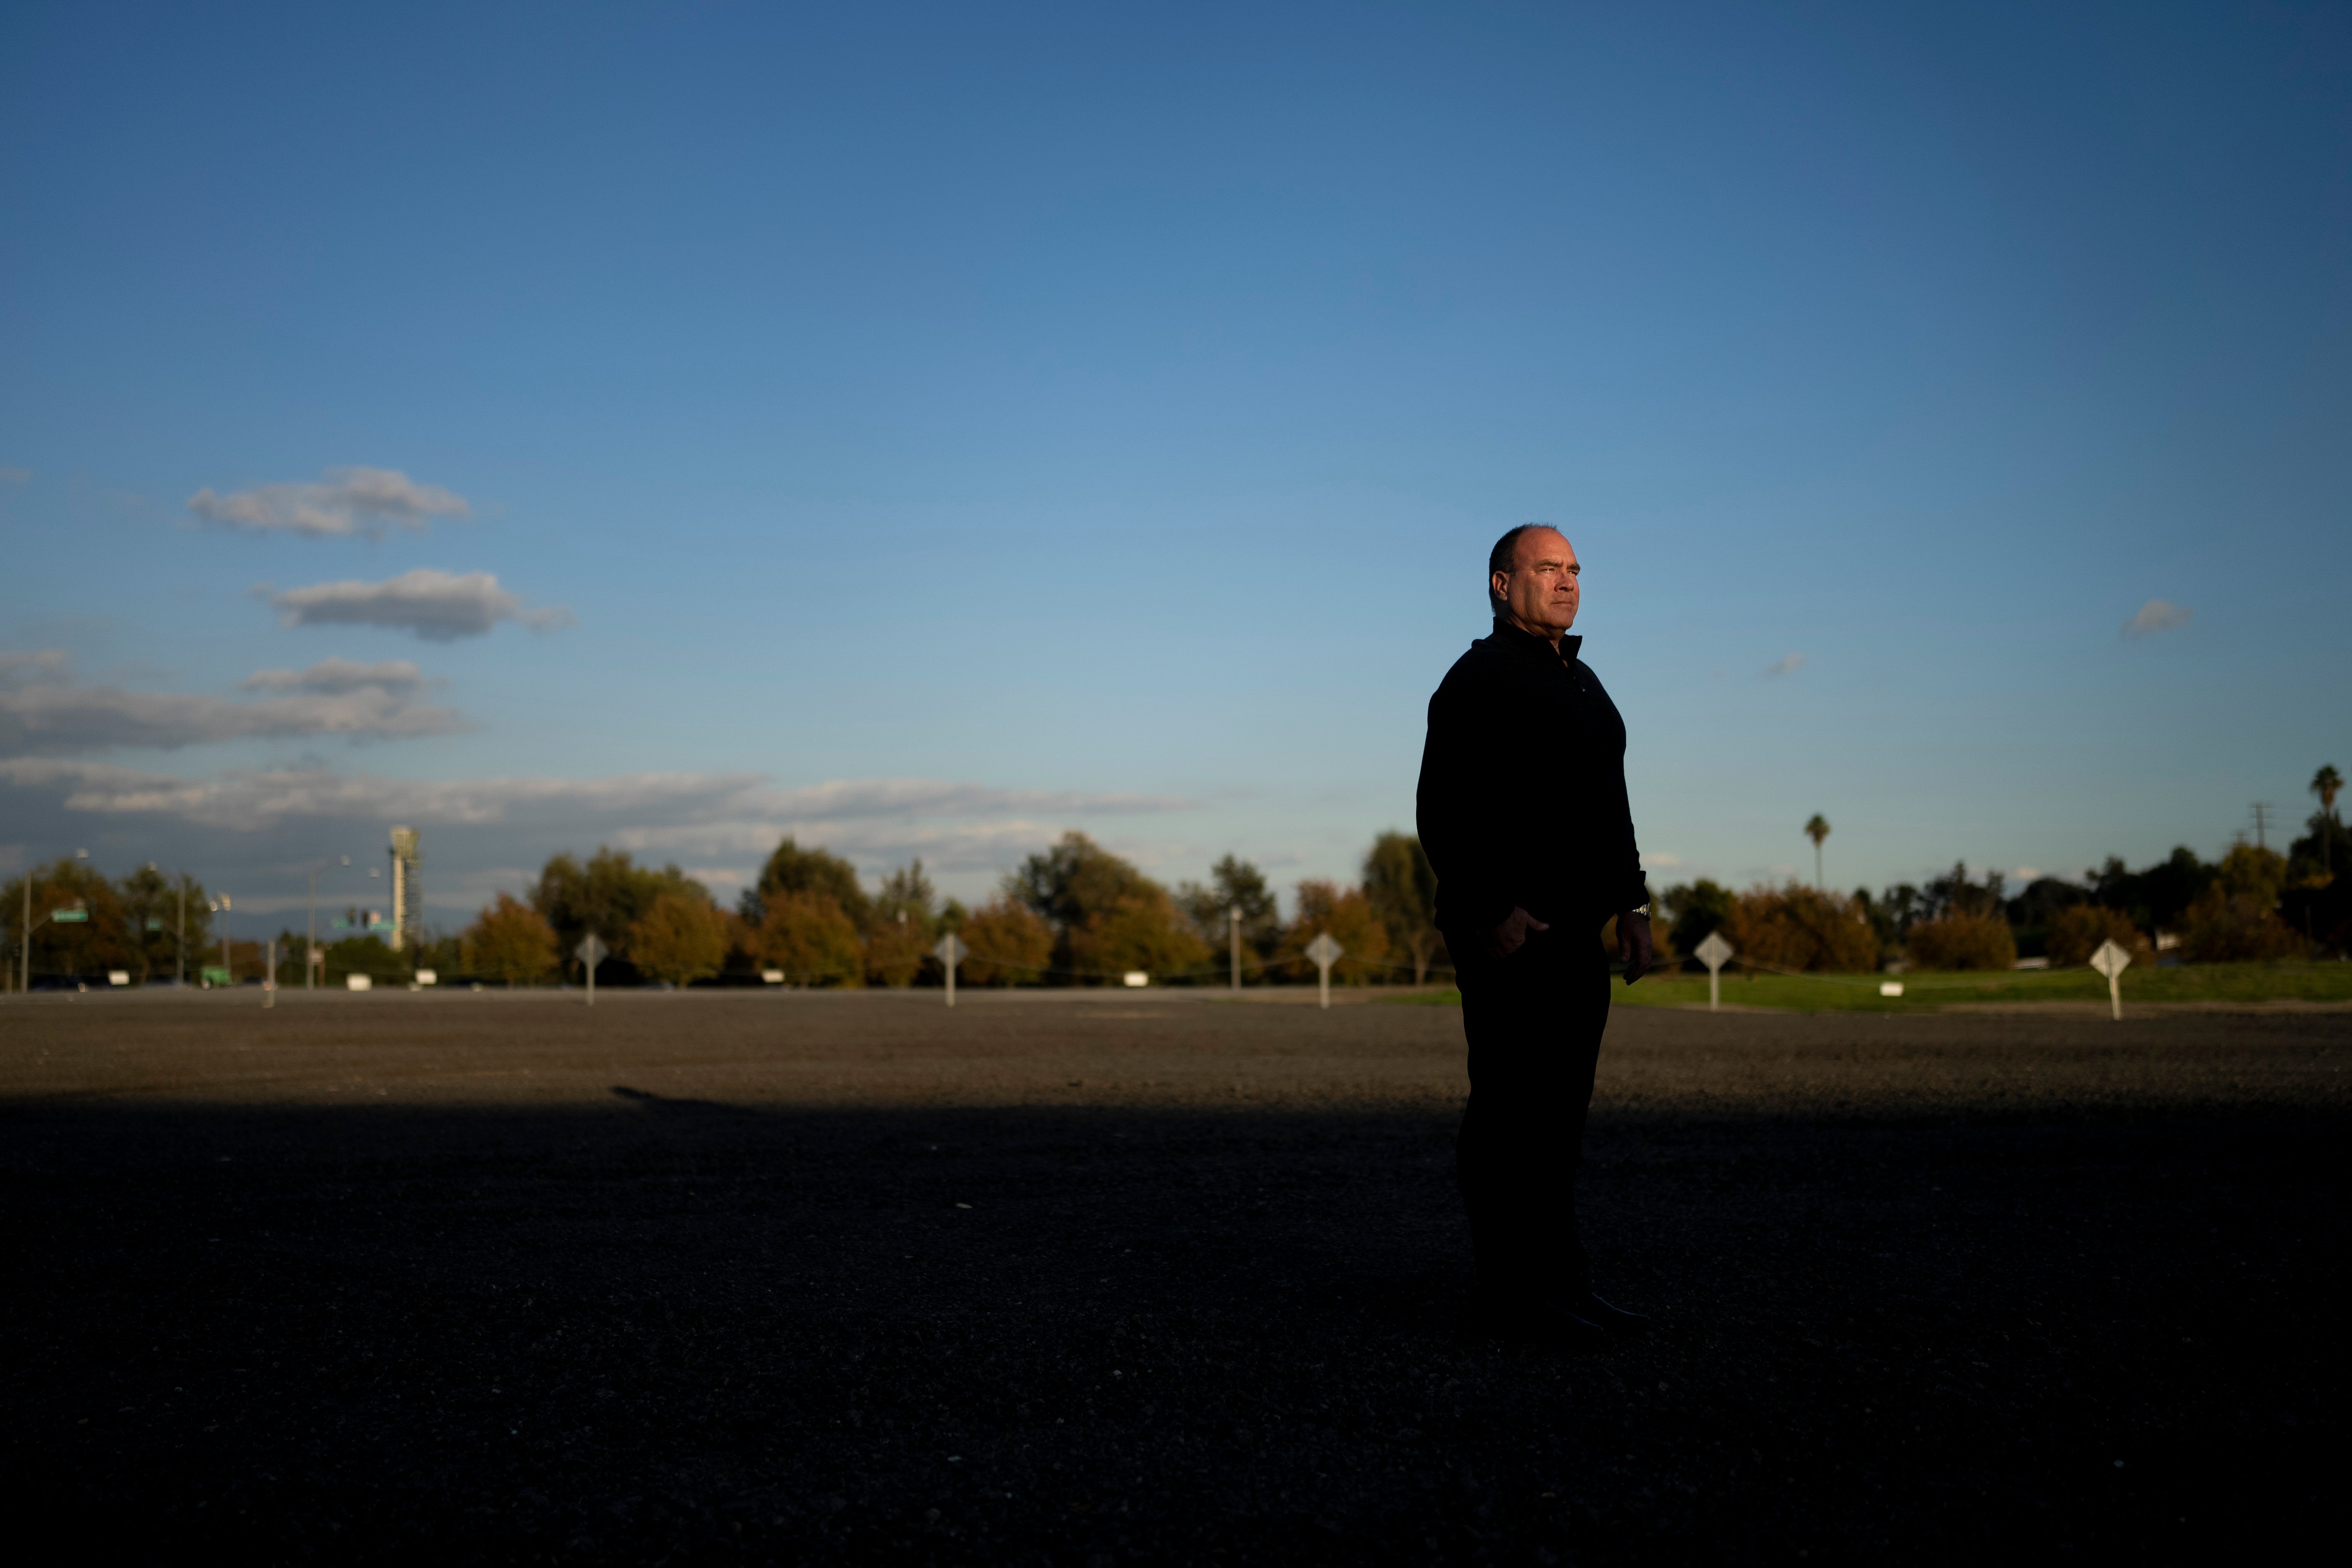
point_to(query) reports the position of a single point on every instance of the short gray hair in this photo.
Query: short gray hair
(1503, 558)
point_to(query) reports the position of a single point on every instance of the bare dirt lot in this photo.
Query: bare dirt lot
(1091, 1280)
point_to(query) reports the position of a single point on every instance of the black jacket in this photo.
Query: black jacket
(1522, 799)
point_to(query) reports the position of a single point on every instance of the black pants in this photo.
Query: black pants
(1534, 1022)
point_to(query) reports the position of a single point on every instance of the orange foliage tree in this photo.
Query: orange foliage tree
(1802, 928)
(1008, 944)
(509, 941)
(811, 938)
(680, 939)
(1348, 916)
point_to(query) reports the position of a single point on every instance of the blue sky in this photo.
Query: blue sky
(924, 430)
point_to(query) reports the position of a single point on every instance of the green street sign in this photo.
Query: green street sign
(69, 917)
(155, 925)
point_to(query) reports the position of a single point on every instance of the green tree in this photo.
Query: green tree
(2327, 783)
(680, 939)
(1694, 910)
(151, 909)
(510, 941)
(1403, 887)
(904, 922)
(1234, 884)
(86, 948)
(793, 870)
(1073, 885)
(1817, 830)
(607, 896)
(1802, 928)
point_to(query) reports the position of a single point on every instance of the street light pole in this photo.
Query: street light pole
(310, 957)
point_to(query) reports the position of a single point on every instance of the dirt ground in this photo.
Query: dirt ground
(1085, 1280)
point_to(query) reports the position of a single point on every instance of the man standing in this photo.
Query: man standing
(1523, 811)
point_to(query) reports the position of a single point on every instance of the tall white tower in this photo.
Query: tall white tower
(407, 901)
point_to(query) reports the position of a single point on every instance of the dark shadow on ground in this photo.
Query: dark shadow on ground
(680, 1330)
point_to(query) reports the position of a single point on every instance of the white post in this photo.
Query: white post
(270, 976)
(1714, 953)
(951, 969)
(949, 950)
(1713, 990)
(591, 983)
(2115, 995)
(183, 927)
(1323, 981)
(1236, 912)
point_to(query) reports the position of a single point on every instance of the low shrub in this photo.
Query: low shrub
(2076, 934)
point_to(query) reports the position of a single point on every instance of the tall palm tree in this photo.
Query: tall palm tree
(2327, 783)
(1817, 830)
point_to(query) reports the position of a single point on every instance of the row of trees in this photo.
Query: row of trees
(1072, 914)
(2253, 904)
(152, 923)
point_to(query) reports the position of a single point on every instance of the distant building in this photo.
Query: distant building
(407, 894)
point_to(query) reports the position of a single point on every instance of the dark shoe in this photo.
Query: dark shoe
(1591, 1309)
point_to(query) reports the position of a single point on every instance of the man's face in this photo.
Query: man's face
(1540, 588)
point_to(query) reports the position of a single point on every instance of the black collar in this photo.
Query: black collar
(1509, 636)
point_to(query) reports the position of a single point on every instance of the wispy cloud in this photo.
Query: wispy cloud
(711, 817)
(44, 664)
(2156, 616)
(1786, 664)
(439, 606)
(341, 675)
(347, 501)
(50, 713)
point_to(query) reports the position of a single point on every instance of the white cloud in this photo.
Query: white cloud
(439, 606)
(334, 675)
(1659, 859)
(2156, 616)
(1786, 664)
(2027, 873)
(349, 501)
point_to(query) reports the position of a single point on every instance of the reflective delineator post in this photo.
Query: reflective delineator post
(1714, 953)
(951, 952)
(589, 953)
(269, 974)
(1325, 952)
(2111, 961)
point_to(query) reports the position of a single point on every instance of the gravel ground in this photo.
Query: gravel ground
(805, 1278)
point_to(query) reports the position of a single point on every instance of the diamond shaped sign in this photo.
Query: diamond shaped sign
(2111, 959)
(1324, 951)
(591, 952)
(952, 950)
(1714, 953)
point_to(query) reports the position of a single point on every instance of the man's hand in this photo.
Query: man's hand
(1633, 945)
(1512, 935)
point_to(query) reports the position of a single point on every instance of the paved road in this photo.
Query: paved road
(853, 1279)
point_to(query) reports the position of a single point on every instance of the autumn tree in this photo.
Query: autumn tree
(1402, 885)
(1962, 940)
(510, 941)
(1008, 944)
(1348, 917)
(1801, 928)
(1142, 930)
(2081, 929)
(811, 939)
(680, 939)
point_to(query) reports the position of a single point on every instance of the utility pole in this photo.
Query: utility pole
(1234, 912)
(183, 929)
(310, 957)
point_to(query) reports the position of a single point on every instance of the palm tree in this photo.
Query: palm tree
(2325, 784)
(1817, 830)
